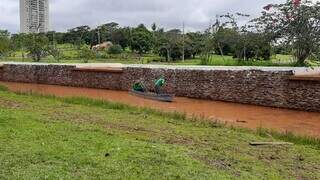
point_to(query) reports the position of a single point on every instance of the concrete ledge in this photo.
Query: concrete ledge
(107, 70)
(305, 78)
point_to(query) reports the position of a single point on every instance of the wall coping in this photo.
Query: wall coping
(293, 70)
(105, 69)
(305, 78)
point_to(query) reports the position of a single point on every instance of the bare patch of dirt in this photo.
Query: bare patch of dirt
(180, 140)
(73, 117)
(222, 164)
(126, 128)
(4, 103)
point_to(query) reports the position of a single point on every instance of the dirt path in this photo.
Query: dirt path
(299, 122)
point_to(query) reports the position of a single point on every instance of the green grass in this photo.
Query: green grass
(217, 60)
(44, 137)
(71, 55)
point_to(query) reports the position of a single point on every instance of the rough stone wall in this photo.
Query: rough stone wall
(245, 86)
(102, 80)
(257, 87)
(59, 75)
(1, 72)
(42, 74)
(303, 95)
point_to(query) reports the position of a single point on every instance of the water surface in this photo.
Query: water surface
(250, 116)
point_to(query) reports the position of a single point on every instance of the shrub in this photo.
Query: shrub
(115, 49)
(86, 54)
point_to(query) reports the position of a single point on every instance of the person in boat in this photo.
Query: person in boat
(139, 86)
(159, 84)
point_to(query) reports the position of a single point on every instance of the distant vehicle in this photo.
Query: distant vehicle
(103, 46)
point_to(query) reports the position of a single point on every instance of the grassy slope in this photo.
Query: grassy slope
(46, 137)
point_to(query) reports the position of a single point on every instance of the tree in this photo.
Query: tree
(294, 23)
(106, 31)
(225, 40)
(257, 46)
(195, 41)
(115, 49)
(78, 36)
(154, 27)
(4, 42)
(54, 52)
(121, 37)
(86, 53)
(141, 39)
(37, 45)
(225, 25)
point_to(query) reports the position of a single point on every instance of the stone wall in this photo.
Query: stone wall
(65, 75)
(258, 86)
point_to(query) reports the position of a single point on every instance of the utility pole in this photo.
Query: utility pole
(183, 43)
(99, 38)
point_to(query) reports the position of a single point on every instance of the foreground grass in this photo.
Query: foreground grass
(76, 138)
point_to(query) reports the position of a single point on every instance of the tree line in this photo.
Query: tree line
(289, 28)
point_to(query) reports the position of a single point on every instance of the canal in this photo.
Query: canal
(249, 116)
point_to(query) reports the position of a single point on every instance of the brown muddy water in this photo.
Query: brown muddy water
(249, 116)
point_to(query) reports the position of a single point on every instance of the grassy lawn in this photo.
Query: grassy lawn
(70, 54)
(149, 59)
(75, 138)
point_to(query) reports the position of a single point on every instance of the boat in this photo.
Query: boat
(153, 96)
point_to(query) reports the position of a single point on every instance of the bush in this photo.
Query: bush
(86, 54)
(115, 49)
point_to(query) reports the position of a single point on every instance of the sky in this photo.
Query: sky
(196, 14)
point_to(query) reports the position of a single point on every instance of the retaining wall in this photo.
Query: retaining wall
(258, 86)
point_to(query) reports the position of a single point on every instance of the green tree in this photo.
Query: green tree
(121, 36)
(106, 31)
(154, 27)
(115, 49)
(86, 53)
(4, 42)
(55, 52)
(141, 39)
(257, 46)
(37, 46)
(78, 36)
(225, 40)
(295, 23)
(196, 42)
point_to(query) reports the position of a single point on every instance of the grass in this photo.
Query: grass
(217, 60)
(71, 55)
(45, 137)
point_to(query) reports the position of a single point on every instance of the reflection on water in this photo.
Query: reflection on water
(304, 123)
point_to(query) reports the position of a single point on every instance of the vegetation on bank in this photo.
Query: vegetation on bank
(49, 137)
(71, 54)
(290, 28)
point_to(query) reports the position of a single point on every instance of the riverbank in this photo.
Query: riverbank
(285, 87)
(48, 137)
(240, 115)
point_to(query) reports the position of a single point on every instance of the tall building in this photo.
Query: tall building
(34, 16)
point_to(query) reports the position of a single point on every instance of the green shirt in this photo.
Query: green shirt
(160, 82)
(138, 87)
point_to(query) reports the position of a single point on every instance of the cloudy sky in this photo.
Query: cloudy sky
(196, 14)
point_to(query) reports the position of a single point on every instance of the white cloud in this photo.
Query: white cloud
(196, 14)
